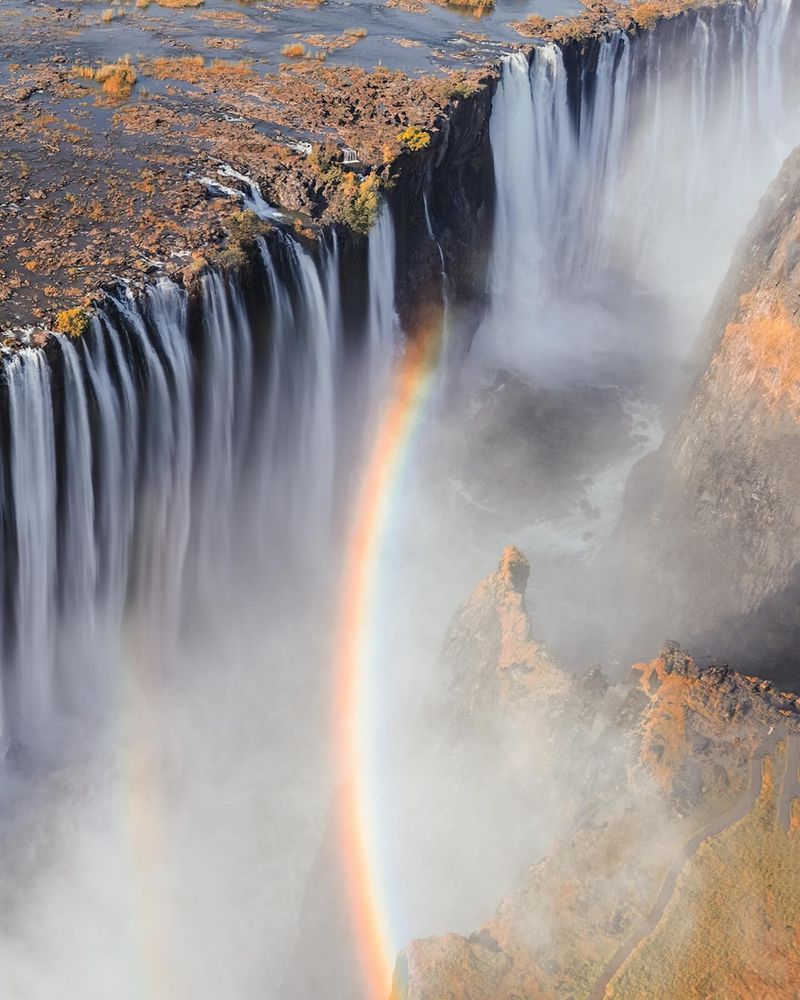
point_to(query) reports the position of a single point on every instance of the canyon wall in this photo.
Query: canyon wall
(650, 772)
(711, 530)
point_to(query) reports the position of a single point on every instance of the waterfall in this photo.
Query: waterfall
(175, 485)
(32, 476)
(645, 170)
(77, 558)
(166, 453)
(382, 320)
(432, 236)
(218, 436)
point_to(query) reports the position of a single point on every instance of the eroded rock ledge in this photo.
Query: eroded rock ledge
(711, 530)
(106, 159)
(651, 776)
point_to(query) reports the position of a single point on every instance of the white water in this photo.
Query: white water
(181, 463)
(621, 196)
(248, 193)
(32, 474)
(184, 459)
(383, 320)
(648, 184)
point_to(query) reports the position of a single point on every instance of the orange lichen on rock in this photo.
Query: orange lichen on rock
(765, 342)
(693, 717)
(760, 345)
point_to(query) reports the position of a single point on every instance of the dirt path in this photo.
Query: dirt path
(790, 789)
(737, 812)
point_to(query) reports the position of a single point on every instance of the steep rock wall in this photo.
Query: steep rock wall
(686, 742)
(711, 529)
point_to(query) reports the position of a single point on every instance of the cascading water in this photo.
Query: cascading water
(382, 321)
(645, 170)
(170, 441)
(32, 474)
(180, 451)
(188, 449)
(626, 170)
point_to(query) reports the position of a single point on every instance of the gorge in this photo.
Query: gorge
(252, 490)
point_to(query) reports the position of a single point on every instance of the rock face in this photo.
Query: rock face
(642, 788)
(490, 655)
(479, 747)
(443, 203)
(712, 522)
(699, 727)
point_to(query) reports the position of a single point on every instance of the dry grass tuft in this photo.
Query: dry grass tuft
(117, 79)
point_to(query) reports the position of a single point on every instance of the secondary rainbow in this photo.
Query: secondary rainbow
(410, 387)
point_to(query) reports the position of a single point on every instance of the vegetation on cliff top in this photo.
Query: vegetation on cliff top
(733, 925)
(245, 226)
(414, 138)
(602, 16)
(354, 199)
(73, 322)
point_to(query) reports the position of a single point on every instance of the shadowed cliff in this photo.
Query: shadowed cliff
(710, 536)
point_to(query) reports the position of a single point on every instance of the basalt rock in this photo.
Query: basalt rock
(443, 203)
(711, 529)
(698, 727)
(493, 661)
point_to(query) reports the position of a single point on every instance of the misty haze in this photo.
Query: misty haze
(399, 534)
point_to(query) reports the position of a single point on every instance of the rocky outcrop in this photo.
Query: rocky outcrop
(443, 202)
(490, 656)
(642, 796)
(711, 531)
(478, 750)
(699, 727)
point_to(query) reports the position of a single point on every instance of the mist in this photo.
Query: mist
(172, 834)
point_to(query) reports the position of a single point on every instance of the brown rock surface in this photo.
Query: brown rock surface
(490, 653)
(103, 154)
(711, 532)
(685, 739)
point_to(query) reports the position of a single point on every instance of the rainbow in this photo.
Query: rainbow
(358, 808)
(141, 794)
